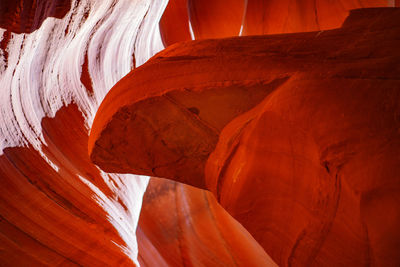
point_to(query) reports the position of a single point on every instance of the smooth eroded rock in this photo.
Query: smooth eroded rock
(307, 160)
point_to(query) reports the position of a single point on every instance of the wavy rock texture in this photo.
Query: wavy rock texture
(297, 135)
(57, 61)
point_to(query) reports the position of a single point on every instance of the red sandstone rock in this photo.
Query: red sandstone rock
(189, 113)
(287, 16)
(24, 16)
(300, 133)
(184, 226)
(56, 207)
(174, 24)
(217, 19)
(327, 174)
(50, 217)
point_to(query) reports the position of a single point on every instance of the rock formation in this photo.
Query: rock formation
(294, 137)
(182, 226)
(57, 61)
(210, 19)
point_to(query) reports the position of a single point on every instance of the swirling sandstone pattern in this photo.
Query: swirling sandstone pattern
(57, 61)
(330, 196)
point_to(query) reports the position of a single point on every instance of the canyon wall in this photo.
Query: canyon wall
(57, 61)
(291, 140)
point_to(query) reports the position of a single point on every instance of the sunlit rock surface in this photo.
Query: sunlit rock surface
(297, 135)
(57, 61)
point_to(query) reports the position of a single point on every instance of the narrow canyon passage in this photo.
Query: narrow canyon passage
(199, 133)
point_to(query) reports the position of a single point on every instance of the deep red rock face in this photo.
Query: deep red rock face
(25, 16)
(320, 178)
(307, 160)
(266, 17)
(212, 19)
(174, 24)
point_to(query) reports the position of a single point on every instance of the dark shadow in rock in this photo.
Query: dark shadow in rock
(26, 16)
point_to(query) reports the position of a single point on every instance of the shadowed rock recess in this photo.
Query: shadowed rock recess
(296, 135)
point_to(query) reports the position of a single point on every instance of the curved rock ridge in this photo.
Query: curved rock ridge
(67, 212)
(200, 19)
(296, 135)
(57, 61)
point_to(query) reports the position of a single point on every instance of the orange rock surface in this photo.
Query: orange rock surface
(48, 217)
(174, 24)
(184, 226)
(296, 135)
(56, 207)
(275, 16)
(212, 19)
